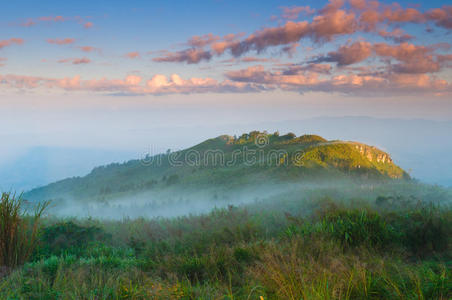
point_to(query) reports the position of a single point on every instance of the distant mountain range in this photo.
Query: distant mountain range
(421, 147)
(252, 158)
(39, 166)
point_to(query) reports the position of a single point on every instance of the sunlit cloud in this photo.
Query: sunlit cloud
(30, 22)
(349, 54)
(293, 12)
(156, 85)
(397, 35)
(88, 49)
(75, 61)
(357, 84)
(11, 41)
(405, 57)
(190, 56)
(333, 20)
(65, 41)
(133, 55)
(252, 79)
(371, 45)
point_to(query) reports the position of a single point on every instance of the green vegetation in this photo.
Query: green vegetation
(18, 232)
(316, 219)
(229, 161)
(378, 242)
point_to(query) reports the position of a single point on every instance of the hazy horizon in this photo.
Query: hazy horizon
(101, 82)
(420, 155)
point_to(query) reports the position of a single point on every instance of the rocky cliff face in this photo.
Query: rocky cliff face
(373, 154)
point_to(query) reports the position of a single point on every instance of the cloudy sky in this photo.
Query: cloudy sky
(354, 47)
(96, 68)
(126, 76)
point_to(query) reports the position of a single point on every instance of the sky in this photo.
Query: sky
(356, 47)
(94, 73)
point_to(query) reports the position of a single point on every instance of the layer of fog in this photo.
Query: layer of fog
(170, 202)
(175, 202)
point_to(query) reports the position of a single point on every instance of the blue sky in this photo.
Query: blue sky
(125, 76)
(94, 68)
(121, 27)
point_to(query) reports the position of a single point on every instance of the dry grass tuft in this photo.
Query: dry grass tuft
(18, 231)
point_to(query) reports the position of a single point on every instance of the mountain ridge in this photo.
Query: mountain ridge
(230, 160)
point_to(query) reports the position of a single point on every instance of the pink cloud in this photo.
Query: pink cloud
(189, 56)
(372, 13)
(412, 58)
(350, 54)
(88, 48)
(292, 13)
(333, 20)
(399, 66)
(202, 41)
(65, 41)
(334, 23)
(318, 68)
(79, 61)
(254, 74)
(28, 23)
(397, 35)
(399, 15)
(441, 16)
(250, 59)
(257, 74)
(56, 19)
(359, 84)
(252, 79)
(20, 81)
(51, 18)
(290, 49)
(157, 85)
(418, 81)
(402, 58)
(289, 33)
(75, 61)
(133, 55)
(358, 4)
(11, 41)
(294, 69)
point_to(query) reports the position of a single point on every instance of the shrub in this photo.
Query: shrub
(194, 268)
(356, 227)
(50, 266)
(18, 232)
(426, 230)
(68, 237)
(243, 255)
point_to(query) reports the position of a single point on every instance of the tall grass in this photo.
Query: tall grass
(356, 250)
(18, 230)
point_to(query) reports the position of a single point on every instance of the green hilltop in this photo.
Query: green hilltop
(252, 158)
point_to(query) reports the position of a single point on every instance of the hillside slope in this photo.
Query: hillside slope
(256, 157)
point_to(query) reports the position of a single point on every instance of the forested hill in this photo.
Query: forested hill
(255, 157)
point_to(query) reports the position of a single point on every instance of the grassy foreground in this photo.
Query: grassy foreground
(321, 248)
